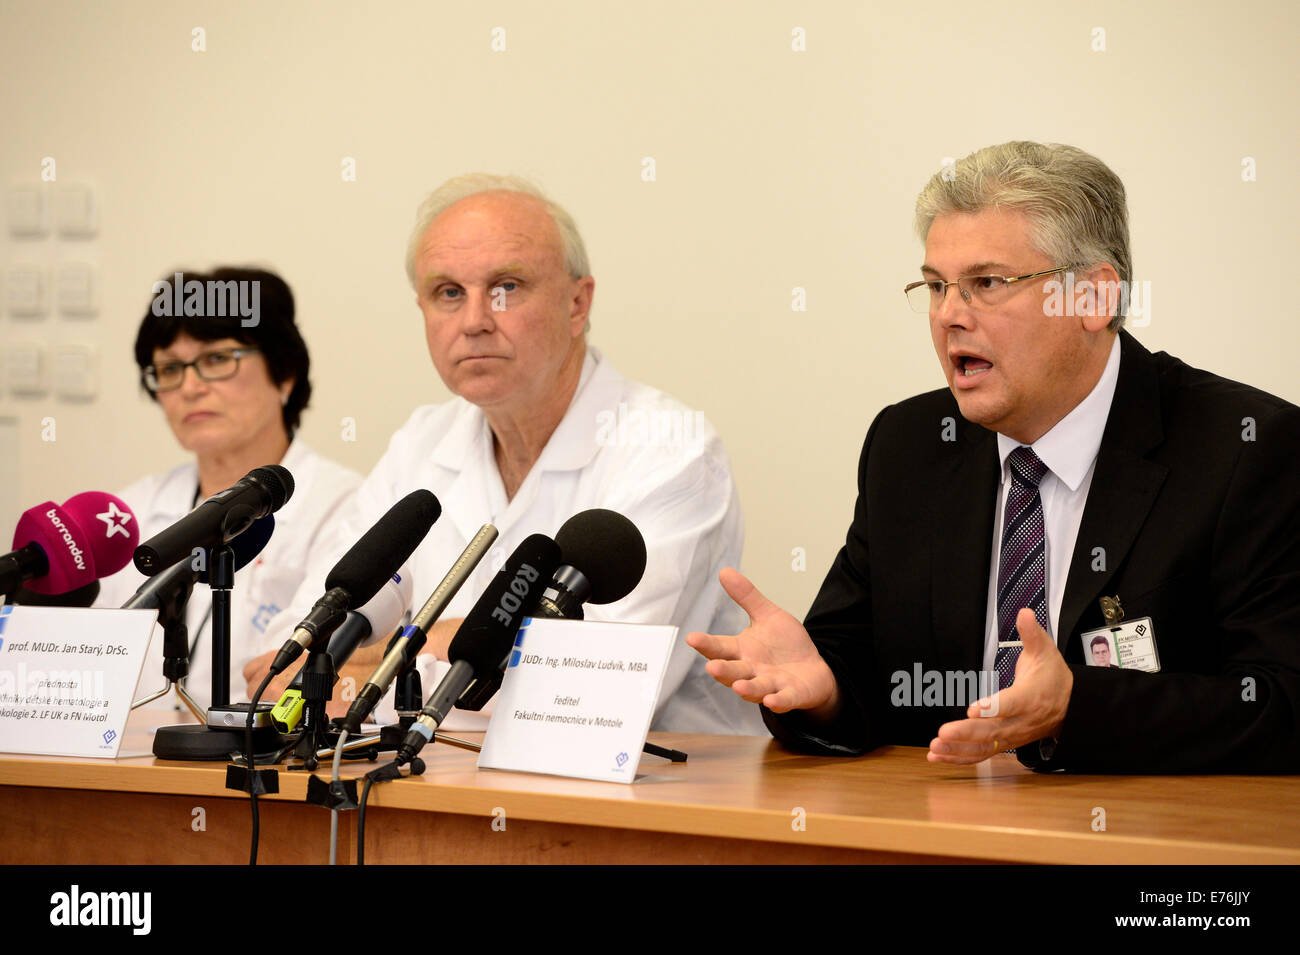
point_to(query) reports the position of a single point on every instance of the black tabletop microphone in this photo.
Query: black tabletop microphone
(486, 634)
(359, 574)
(604, 559)
(404, 648)
(218, 520)
(158, 589)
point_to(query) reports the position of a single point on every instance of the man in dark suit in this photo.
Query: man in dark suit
(1063, 464)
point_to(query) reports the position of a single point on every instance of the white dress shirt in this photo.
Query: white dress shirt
(1069, 450)
(620, 445)
(262, 587)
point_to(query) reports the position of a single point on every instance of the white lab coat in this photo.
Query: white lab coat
(261, 588)
(675, 486)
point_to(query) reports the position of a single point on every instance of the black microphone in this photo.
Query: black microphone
(159, 589)
(360, 627)
(359, 574)
(372, 621)
(486, 634)
(402, 650)
(218, 520)
(169, 594)
(604, 560)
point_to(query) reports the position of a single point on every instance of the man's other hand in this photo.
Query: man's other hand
(773, 661)
(1031, 708)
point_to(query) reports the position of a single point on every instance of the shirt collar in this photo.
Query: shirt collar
(1071, 446)
(571, 446)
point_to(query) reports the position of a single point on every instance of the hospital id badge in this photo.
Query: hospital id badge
(1129, 645)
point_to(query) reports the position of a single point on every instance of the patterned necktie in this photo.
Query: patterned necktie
(1022, 567)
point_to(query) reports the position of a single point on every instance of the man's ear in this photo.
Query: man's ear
(1097, 296)
(580, 307)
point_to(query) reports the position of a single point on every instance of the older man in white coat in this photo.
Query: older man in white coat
(542, 427)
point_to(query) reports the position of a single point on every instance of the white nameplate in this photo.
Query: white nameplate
(66, 677)
(577, 698)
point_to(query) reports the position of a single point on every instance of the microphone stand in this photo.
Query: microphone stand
(176, 649)
(408, 699)
(219, 735)
(318, 676)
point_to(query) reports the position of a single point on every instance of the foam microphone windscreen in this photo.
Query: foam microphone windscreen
(92, 535)
(607, 548)
(488, 630)
(383, 549)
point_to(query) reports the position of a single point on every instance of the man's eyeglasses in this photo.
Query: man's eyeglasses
(928, 295)
(210, 366)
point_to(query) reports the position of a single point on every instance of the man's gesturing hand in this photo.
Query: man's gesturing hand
(773, 661)
(1031, 708)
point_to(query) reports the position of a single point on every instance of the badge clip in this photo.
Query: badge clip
(1112, 611)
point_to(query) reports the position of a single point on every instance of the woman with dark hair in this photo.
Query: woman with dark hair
(223, 358)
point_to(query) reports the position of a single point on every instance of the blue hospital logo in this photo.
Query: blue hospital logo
(264, 615)
(110, 735)
(519, 642)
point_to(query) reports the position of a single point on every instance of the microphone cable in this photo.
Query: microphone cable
(251, 764)
(334, 813)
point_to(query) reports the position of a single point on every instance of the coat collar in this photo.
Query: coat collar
(573, 443)
(474, 493)
(959, 574)
(1124, 486)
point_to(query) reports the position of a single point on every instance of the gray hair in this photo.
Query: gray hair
(1074, 201)
(462, 187)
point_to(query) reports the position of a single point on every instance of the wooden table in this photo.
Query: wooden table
(737, 800)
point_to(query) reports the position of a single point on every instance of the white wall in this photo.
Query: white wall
(775, 169)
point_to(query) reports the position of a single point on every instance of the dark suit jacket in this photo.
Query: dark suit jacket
(1192, 519)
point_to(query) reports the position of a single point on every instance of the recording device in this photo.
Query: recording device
(161, 588)
(58, 549)
(604, 560)
(486, 634)
(362, 571)
(381, 615)
(169, 594)
(218, 520)
(405, 647)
